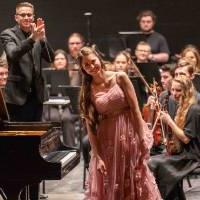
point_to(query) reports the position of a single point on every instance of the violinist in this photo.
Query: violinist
(166, 73)
(191, 53)
(169, 170)
(186, 67)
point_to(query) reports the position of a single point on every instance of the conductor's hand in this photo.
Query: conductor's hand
(101, 167)
(38, 30)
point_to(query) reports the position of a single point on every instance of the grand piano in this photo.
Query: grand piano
(31, 152)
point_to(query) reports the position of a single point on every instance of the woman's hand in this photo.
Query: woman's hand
(165, 117)
(101, 166)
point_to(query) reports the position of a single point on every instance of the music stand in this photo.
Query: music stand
(73, 93)
(150, 71)
(139, 90)
(131, 42)
(53, 78)
(56, 101)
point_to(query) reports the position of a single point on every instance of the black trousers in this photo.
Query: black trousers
(29, 112)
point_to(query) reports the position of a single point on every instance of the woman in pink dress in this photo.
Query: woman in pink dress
(119, 138)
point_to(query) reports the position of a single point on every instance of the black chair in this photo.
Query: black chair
(195, 173)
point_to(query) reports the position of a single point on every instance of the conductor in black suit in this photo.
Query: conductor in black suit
(25, 45)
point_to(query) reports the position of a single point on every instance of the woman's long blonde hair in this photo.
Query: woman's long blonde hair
(87, 107)
(186, 100)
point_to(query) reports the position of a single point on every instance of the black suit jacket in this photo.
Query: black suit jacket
(24, 56)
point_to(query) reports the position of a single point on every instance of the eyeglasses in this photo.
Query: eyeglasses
(140, 50)
(25, 14)
(3, 73)
(73, 43)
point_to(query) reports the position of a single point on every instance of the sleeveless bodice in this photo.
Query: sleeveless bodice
(111, 100)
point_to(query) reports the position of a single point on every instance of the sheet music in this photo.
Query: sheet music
(57, 101)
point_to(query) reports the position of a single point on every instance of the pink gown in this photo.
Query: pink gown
(128, 178)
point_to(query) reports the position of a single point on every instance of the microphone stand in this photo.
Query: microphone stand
(88, 16)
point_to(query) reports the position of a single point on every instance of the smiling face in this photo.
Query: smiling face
(91, 64)
(142, 52)
(24, 17)
(3, 75)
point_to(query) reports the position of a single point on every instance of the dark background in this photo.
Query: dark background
(178, 20)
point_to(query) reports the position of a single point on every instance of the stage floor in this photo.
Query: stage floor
(70, 187)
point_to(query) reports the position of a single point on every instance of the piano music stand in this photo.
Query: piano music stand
(56, 101)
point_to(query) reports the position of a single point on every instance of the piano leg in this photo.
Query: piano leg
(2, 194)
(12, 190)
(43, 195)
(34, 191)
(30, 192)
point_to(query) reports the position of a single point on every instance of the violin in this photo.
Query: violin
(150, 115)
(171, 142)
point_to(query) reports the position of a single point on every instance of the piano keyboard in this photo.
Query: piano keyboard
(63, 157)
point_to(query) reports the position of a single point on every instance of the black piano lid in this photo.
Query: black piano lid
(4, 116)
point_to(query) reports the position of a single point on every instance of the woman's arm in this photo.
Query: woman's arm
(95, 149)
(175, 129)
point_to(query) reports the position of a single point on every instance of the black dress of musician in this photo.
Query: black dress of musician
(169, 170)
(25, 45)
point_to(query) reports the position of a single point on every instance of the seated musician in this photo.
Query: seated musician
(191, 53)
(3, 71)
(122, 62)
(142, 52)
(186, 67)
(183, 151)
(75, 42)
(61, 112)
(166, 74)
